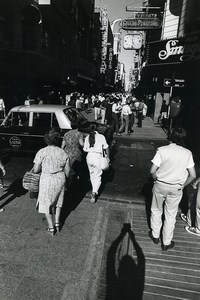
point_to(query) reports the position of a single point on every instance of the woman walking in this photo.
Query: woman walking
(72, 144)
(94, 145)
(53, 163)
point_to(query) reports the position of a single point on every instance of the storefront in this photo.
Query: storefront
(175, 66)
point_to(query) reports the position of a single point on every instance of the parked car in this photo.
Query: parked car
(24, 127)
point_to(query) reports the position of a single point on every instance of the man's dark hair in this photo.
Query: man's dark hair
(178, 136)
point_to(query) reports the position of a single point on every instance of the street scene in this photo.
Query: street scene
(99, 150)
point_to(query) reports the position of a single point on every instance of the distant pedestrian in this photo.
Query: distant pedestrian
(126, 112)
(97, 109)
(108, 113)
(72, 101)
(79, 103)
(40, 101)
(172, 169)
(140, 112)
(2, 108)
(116, 111)
(132, 116)
(53, 163)
(2, 173)
(103, 110)
(94, 144)
(144, 111)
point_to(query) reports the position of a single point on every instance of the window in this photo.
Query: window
(42, 120)
(18, 119)
(54, 121)
(73, 115)
(45, 120)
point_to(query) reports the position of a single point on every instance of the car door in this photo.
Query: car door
(15, 132)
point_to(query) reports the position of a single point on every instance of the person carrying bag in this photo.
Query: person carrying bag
(95, 144)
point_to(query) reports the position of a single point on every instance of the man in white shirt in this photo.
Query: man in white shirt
(172, 169)
(116, 109)
(126, 111)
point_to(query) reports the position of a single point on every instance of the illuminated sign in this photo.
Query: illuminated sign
(178, 50)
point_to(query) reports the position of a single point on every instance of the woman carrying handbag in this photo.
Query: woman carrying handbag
(95, 144)
(53, 163)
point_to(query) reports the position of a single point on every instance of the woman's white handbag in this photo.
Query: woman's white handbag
(104, 161)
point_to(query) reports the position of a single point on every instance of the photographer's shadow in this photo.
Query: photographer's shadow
(127, 282)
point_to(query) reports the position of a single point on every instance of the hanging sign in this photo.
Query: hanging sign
(104, 30)
(178, 50)
(142, 21)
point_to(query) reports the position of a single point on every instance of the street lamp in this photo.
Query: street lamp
(113, 24)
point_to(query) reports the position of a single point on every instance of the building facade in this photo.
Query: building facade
(46, 47)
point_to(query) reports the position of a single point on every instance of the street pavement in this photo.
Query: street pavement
(103, 250)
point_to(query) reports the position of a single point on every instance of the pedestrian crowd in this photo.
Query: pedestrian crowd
(119, 110)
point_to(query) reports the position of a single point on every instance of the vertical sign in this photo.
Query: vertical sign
(104, 30)
(110, 58)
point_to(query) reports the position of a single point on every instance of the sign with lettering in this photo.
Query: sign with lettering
(177, 50)
(104, 30)
(142, 21)
(110, 58)
(168, 82)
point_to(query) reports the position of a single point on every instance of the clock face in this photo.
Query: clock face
(132, 41)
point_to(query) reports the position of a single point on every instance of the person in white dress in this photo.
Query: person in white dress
(94, 144)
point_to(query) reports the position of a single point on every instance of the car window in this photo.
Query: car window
(54, 121)
(73, 115)
(45, 120)
(18, 119)
(42, 120)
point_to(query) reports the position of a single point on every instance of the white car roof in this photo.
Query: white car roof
(48, 108)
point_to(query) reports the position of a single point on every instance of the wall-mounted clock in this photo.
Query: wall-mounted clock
(133, 41)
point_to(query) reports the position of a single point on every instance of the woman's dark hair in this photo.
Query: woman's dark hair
(93, 127)
(52, 137)
(178, 136)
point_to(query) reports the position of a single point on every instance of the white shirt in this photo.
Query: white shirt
(172, 162)
(116, 108)
(126, 110)
(144, 110)
(100, 142)
(2, 105)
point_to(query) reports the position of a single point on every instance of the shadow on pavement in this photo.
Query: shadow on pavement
(147, 193)
(75, 193)
(107, 176)
(14, 190)
(128, 281)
